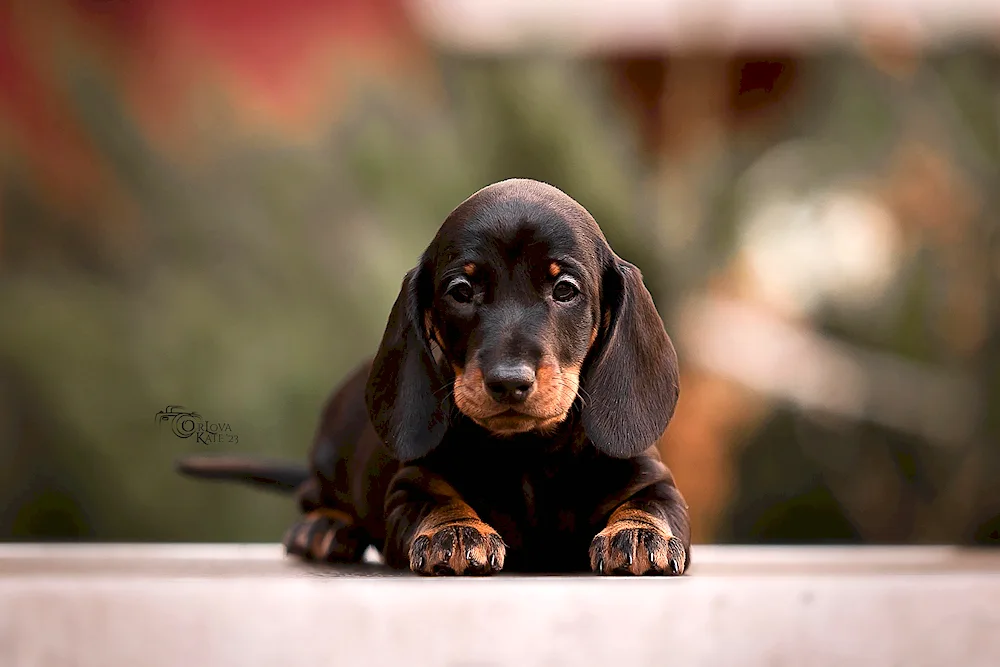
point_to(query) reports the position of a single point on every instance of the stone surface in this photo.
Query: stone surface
(152, 605)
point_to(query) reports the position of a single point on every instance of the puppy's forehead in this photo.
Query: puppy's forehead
(520, 219)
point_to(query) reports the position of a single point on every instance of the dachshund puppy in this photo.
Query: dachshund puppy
(509, 419)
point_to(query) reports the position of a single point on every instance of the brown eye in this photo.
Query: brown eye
(565, 290)
(461, 291)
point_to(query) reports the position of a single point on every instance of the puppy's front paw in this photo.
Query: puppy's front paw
(637, 544)
(325, 535)
(466, 547)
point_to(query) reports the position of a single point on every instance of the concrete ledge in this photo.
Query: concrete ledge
(151, 605)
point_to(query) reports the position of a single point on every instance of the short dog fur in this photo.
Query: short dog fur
(510, 417)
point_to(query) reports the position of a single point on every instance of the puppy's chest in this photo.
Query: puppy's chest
(537, 508)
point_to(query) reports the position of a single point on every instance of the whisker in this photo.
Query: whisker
(447, 385)
(448, 394)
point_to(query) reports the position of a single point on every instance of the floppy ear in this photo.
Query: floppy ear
(632, 382)
(404, 409)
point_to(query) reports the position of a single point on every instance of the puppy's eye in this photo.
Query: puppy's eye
(565, 290)
(461, 291)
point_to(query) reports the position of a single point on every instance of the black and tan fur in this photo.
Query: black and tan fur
(509, 418)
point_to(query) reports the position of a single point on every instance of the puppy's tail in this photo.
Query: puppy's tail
(279, 476)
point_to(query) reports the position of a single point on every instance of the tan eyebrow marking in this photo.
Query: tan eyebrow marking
(469, 269)
(554, 269)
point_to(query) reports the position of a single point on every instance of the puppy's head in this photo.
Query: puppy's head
(519, 311)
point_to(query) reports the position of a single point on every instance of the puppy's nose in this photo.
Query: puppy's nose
(510, 384)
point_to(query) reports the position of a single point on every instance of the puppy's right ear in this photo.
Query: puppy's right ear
(404, 409)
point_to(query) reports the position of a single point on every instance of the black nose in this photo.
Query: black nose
(510, 384)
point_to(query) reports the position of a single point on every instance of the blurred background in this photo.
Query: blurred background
(212, 205)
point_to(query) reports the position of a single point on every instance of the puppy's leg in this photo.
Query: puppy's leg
(330, 528)
(649, 534)
(326, 532)
(432, 531)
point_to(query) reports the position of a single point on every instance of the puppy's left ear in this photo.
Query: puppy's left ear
(632, 381)
(404, 383)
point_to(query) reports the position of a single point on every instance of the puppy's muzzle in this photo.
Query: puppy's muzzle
(510, 384)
